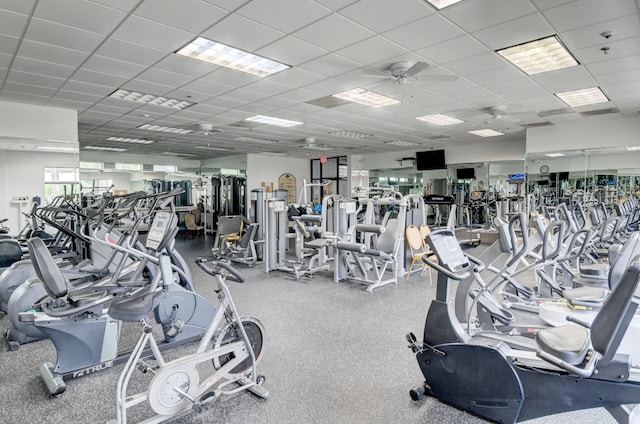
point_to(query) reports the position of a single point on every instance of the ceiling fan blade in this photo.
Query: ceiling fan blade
(510, 118)
(417, 67)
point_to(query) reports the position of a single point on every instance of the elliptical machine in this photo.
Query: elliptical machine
(568, 368)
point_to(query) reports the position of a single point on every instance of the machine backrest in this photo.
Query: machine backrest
(623, 259)
(46, 268)
(230, 224)
(10, 252)
(387, 240)
(613, 319)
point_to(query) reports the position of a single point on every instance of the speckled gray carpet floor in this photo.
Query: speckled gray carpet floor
(334, 354)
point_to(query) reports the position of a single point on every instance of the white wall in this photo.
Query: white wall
(267, 168)
(38, 122)
(227, 162)
(22, 174)
(584, 135)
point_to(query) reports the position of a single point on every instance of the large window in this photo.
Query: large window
(129, 166)
(60, 181)
(332, 170)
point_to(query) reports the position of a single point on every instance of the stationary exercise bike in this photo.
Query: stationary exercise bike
(567, 368)
(232, 344)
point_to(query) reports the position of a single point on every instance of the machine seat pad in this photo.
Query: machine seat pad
(379, 253)
(135, 308)
(568, 342)
(595, 295)
(317, 243)
(594, 269)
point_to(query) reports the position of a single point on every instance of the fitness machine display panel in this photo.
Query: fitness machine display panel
(158, 231)
(447, 248)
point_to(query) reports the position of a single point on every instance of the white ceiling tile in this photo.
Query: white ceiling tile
(35, 80)
(333, 32)
(382, 16)
(517, 88)
(129, 52)
(81, 97)
(554, 79)
(28, 89)
(289, 16)
(246, 95)
(190, 15)
(336, 4)
(586, 12)
(152, 34)
(162, 77)
(229, 5)
(83, 87)
(622, 28)
(23, 97)
(242, 33)
(42, 68)
(451, 50)
(124, 5)
(468, 93)
(91, 77)
(330, 65)
(186, 66)
(276, 102)
(291, 51)
(297, 76)
(270, 87)
(424, 32)
(372, 50)
(618, 77)
(547, 4)
(517, 31)
(231, 77)
(113, 66)
(49, 53)
(300, 95)
(330, 86)
(616, 65)
(12, 24)
(207, 87)
(8, 44)
(495, 75)
(80, 14)
(22, 6)
(224, 102)
(617, 49)
(147, 87)
(62, 35)
(477, 14)
(189, 95)
(68, 104)
(478, 63)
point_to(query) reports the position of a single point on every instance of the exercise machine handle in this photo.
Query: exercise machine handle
(519, 218)
(547, 239)
(216, 266)
(445, 271)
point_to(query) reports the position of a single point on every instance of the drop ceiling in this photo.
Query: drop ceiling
(74, 53)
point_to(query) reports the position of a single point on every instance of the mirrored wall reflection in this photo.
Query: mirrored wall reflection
(605, 175)
(403, 180)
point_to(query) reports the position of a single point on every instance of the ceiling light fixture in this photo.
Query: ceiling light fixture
(150, 99)
(56, 148)
(350, 134)
(486, 132)
(440, 119)
(256, 140)
(164, 129)
(131, 140)
(401, 143)
(270, 120)
(534, 57)
(441, 4)
(367, 98)
(229, 57)
(106, 149)
(316, 147)
(633, 148)
(554, 155)
(583, 97)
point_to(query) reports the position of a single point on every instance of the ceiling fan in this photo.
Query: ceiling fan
(207, 129)
(497, 113)
(404, 72)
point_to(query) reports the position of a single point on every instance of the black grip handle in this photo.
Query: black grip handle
(213, 268)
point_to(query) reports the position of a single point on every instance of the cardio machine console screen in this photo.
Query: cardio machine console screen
(158, 230)
(449, 252)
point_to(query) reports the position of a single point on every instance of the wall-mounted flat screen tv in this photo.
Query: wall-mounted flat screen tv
(466, 173)
(429, 160)
(516, 178)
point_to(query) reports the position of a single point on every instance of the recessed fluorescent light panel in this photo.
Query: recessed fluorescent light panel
(440, 119)
(178, 154)
(367, 98)
(316, 147)
(149, 99)
(273, 121)
(633, 148)
(486, 132)
(165, 129)
(131, 140)
(534, 57)
(554, 155)
(401, 143)
(350, 134)
(586, 96)
(57, 149)
(106, 149)
(441, 4)
(220, 54)
(256, 140)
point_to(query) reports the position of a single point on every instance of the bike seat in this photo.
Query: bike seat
(135, 308)
(594, 269)
(568, 342)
